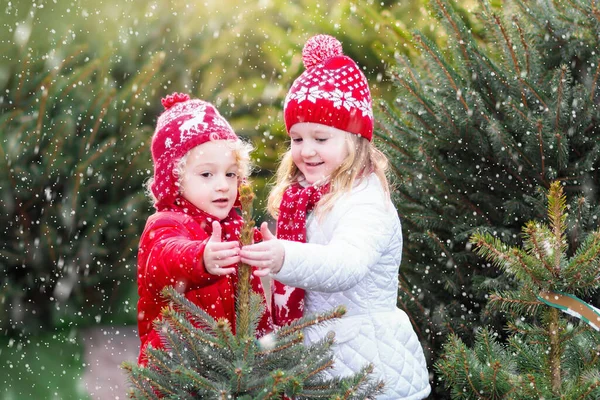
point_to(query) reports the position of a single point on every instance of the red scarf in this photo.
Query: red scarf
(231, 225)
(287, 303)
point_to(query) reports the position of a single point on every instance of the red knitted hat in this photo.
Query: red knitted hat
(183, 125)
(332, 90)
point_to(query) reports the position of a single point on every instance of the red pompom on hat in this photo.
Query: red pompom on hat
(185, 124)
(332, 90)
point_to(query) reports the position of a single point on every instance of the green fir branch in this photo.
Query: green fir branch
(510, 259)
(310, 320)
(583, 268)
(442, 65)
(524, 44)
(557, 217)
(141, 383)
(509, 46)
(457, 27)
(539, 242)
(514, 301)
(196, 314)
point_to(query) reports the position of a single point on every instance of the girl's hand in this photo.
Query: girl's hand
(218, 254)
(266, 256)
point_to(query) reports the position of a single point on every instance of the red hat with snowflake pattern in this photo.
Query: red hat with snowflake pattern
(332, 90)
(185, 124)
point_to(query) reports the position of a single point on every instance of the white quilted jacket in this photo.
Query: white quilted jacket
(352, 258)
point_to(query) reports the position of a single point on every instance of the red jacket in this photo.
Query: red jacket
(171, 254)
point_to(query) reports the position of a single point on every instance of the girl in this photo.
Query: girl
(339, 237)
(191, 242)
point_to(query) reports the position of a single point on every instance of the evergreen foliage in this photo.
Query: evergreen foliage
(507, 105)
(206, 358)
(547, 355)
(74, 154)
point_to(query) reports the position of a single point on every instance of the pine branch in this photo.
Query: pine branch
(535, 235)
(157, 358)
(186, 329)
(140, 382)
(310, 320)
(412, 75)
(540, 131)
(513, 301)
(560, 94)
(424, 43)
(170, 340)
(225, 335)
(594, 387)
(423, 101)
(525, 45)
(195, 313)
(288, 342)
(457, 31)
(586, 262)
(510, 48)
(506, 258)
(86, 145)
(444, 250)
(189, 375)
(556, 215)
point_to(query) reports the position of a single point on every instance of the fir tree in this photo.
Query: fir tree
(73, 155)
(508, 103)
(547, 355)
(204, 359)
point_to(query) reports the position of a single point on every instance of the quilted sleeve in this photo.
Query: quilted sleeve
(363, 229)
(174, 255)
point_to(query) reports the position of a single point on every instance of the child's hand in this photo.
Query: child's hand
(266, 256)
(218, 254)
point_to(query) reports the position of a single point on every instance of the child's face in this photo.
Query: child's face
(317, 150)
(210, 178)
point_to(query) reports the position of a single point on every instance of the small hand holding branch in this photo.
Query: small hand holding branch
(218, 254)
(266, 256)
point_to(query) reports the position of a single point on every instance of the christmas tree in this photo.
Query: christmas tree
(204, 359)
(548, 354)
(507, 102)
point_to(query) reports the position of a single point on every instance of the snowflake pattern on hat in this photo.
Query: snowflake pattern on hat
(332, 90)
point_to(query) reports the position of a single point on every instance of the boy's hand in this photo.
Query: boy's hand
(218, 254)
(266, 256)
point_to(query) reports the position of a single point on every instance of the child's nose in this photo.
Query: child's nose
(307, 150)
(222, 183)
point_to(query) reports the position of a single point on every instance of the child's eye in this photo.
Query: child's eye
(205, 174)
(321, 140)
(297, 140)
(231, 175)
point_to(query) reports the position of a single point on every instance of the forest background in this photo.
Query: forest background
(80, 89)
